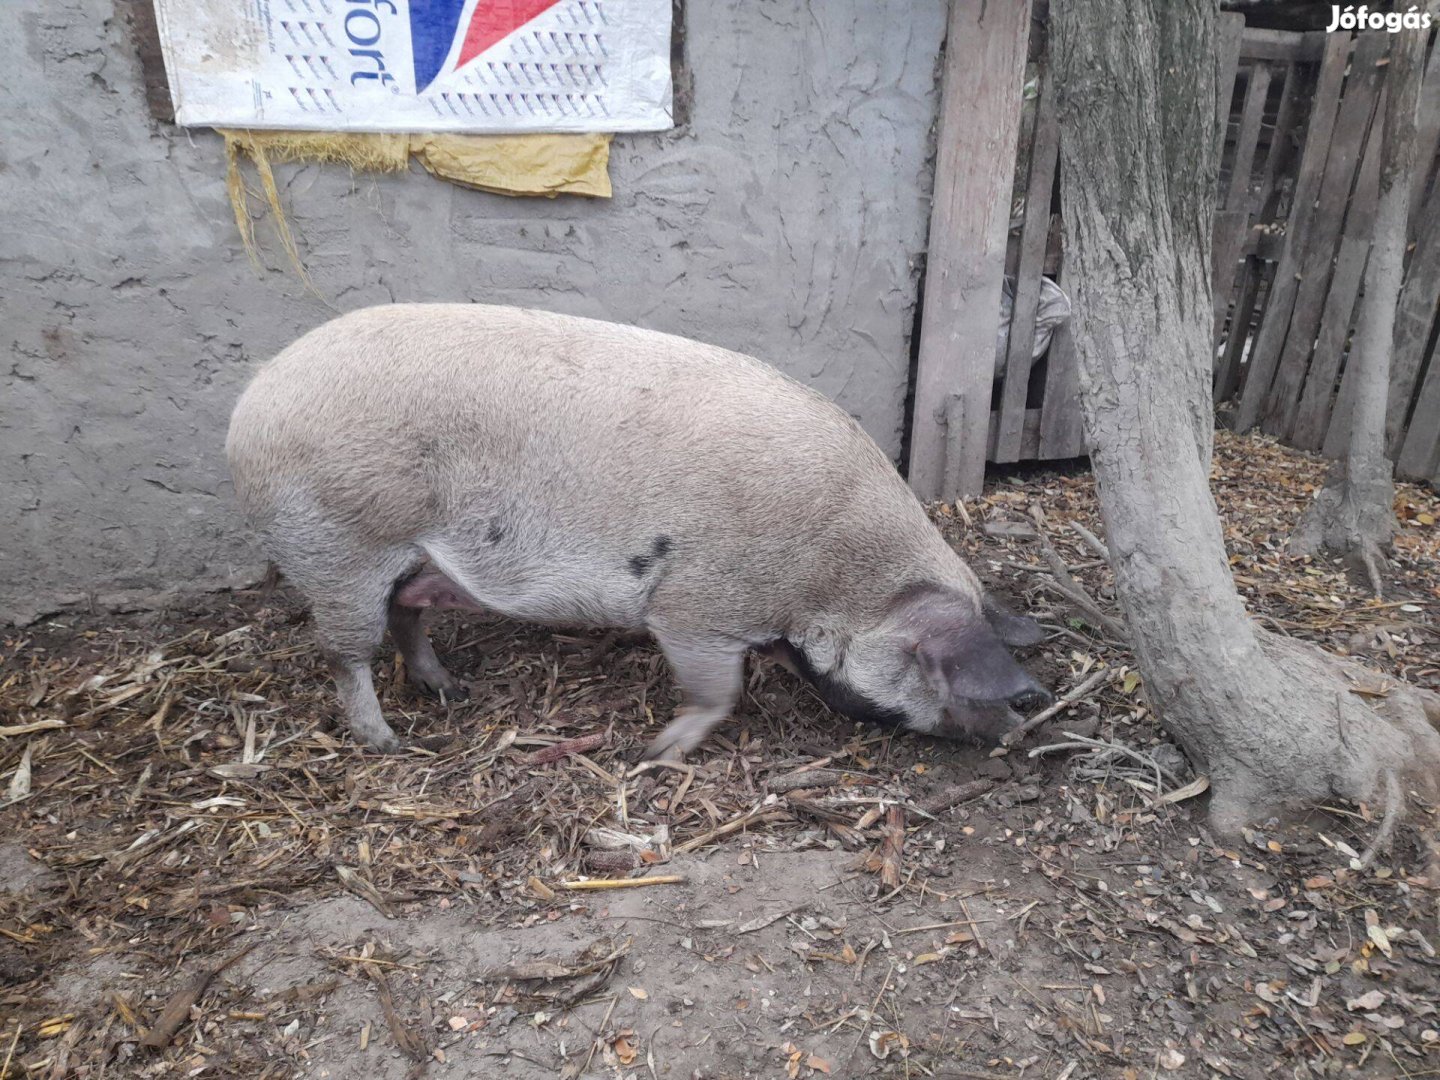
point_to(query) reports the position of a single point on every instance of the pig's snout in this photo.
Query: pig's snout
(1030, 697)
(987, 720)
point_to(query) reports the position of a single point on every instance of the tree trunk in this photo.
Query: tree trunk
(1271, 722)
(1354, 513)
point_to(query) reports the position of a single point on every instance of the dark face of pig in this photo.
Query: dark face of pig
(939, 664)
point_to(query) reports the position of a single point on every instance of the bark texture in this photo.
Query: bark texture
(1354, 513)
(1270, 721)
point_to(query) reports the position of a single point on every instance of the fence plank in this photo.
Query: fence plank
(1413, 319)
(1251, 115)
(1291, 45)
(1427, 136)
(1036, 231)
(1227, 237)
(969, 221)
(1232, 223)
(1227, 57)
(1227, 379)
(1029, 438)
(1283, 144)
(1062, 422)
(1357, 108)
(1257, 247)
(1313, 416)
(1420, 456)
(1265, 353)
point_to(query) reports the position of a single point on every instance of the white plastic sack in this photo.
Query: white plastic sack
(1052, 310)
(493, 66)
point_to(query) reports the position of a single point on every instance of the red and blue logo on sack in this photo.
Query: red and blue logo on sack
(437, 25)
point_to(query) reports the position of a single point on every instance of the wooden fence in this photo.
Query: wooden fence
(1292, 239)
(1297, 196)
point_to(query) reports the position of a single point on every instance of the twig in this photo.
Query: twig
(594, 1042)
(756, 818)
(656, 763)
(177, 1009)
(974, 930)
(26, 729)
(817, 778)
(1394, 799)
(410, 1042)
(955, 796)
(1067, 586)
(887, 857)
(621, 883)
(1013, 736)
(356, 883)
(1071, 589)
(1096, 544)
(870, 1013)
(9, 1054)
(581, 744)
(1080, 742)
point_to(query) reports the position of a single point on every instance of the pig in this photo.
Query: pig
(568, 471)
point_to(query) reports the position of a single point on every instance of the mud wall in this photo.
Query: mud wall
(783, 220)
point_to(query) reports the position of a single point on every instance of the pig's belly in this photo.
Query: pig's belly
(573, 587)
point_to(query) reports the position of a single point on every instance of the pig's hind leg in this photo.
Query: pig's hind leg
(350, 623)
(429, 588)
(709, 672)
(349, 590)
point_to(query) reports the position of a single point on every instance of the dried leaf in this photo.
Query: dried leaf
(1368, 1002)
(1171, 1059)
(20, 781)
(1376, 933)
(885, 1043)
(1198, 786)
(624, 1048)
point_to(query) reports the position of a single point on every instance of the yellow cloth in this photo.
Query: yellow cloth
(519, 164)
(546, 165)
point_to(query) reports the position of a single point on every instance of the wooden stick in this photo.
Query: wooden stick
(621, 883)
(26, 729)
(887, 857)
(955, 796)
(1066, 584)
(581, 744)
(410, 1042)
(1096, 544)
(1011, 737)
(817, 778)
(757, 818)
(9, 1054)
(177, 1009)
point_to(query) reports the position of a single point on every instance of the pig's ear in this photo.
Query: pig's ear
(973, 664)
(1014, 630)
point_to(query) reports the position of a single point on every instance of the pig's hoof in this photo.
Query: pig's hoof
(443, 685)
(659, 750)
(381, 741)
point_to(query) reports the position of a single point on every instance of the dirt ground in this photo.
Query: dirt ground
(201, 876)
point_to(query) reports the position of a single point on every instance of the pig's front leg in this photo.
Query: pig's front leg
(709, 672)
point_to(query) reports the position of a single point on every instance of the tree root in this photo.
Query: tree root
(1327, 727)
(1353, 521)
(1394, 800)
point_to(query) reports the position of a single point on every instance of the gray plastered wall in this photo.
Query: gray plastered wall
(785, 220)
